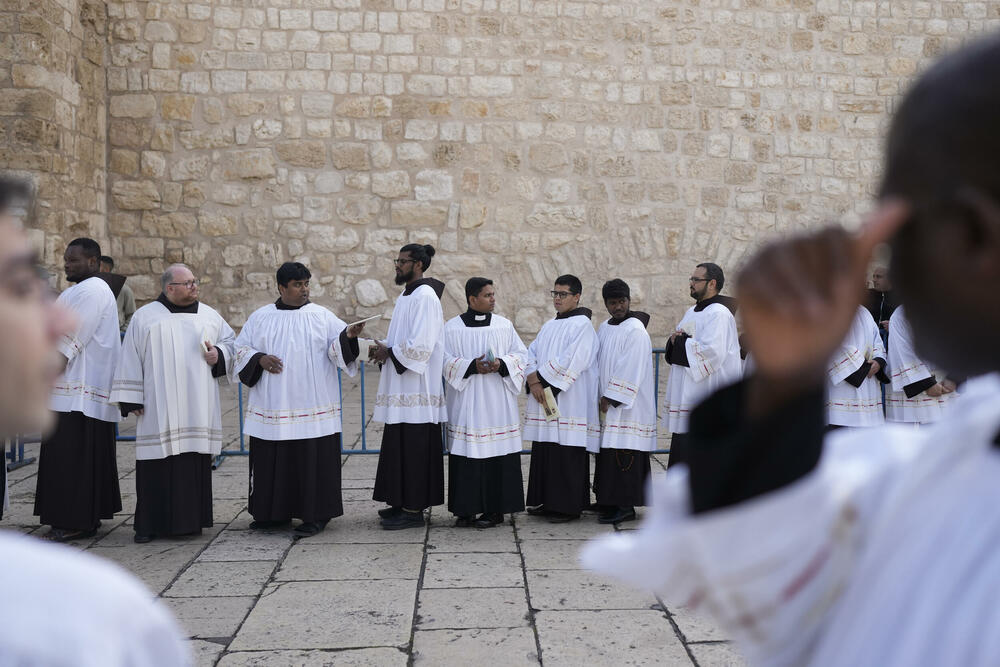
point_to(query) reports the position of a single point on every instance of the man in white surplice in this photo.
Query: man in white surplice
(410, 399)
(854, 395)
(77, 482)
(562, 359)
(173, 351)
(288, 354)
(915, 396)
(703, 353)
(484, 363)
(627, 401)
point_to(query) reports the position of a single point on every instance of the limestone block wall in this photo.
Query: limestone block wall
(52, 115)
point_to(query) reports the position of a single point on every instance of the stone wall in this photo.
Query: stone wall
(523, 138)
(52, 115)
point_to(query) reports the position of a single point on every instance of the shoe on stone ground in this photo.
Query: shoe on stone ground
(489, 520)
(309, 528)
(597, 508)
(560, 517)
(68, 534)
(265, 525)
(389, 512)
(465, 522)
(619, 515)
(141, 538)
(404, 520)
(538, 510)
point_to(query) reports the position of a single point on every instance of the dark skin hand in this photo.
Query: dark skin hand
(798, 298)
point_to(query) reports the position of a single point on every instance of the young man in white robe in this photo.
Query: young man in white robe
(174, 354)
(484, 364)
(916, 396)
(562, 359)
(854, 376)
(628, 403)
(703, 353)
(410, 399)
(59, 606)
(867, 546)
(77, 483)
(288, 353)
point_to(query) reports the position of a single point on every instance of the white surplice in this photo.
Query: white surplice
(885, 554)
(303, 400)
(415, 396)
(625, 362)
(848, 405)
(565, 354)
(906, 368)
(483, 419)
(163, 368)
(713, 353)
(93, 350)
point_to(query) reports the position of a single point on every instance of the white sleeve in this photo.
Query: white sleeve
(455, 366)
(706, 351)
(516, 360)
(334, 350)
(424, 331)
(85, 303)
(226, 342)
(127, 386)
(904, 366)
(245, 345)
(576, 356)
(628, 369)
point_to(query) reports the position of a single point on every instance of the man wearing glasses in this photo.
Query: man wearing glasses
(562, 360)
(173, 351)
(703, 353)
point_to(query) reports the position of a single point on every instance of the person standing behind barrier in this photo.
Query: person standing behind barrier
(626, 395)
(173, 351)
(484, 364)
(125, 298)
(288, 353)
(703, 353)
(59, 606)
(77, 483)
(562, 368)
(916, 396)
(410, 399)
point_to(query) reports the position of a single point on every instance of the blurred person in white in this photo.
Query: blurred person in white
(59, 606)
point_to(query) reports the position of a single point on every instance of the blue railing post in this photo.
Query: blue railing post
(364, 414)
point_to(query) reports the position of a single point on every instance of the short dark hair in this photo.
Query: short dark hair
(105, 259)
(89, 247)
(421, 253)
(570, 281)
(14, 192)
(475, 285)
(290, 271)
(714, 272)
(615, 288)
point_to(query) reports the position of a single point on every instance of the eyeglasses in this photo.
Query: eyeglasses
(190, 284)
(400, 262)
(561, 295)
(698, 280)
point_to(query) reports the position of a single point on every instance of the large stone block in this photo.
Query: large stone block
(358, 209)
(217, 223)
(144, 247)
(433, 185)
(391, 184)
(418, 214)
(303, 153)
(353, 156)
(548, 158)
(132, 106)
(370, 292)
(326, 238)
(255, 163)
(135, 195)
(190, 169)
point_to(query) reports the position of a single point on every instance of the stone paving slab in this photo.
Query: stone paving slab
(228, 579)
(574, 638)
(156, 563)
(327, 562)
(551, 554)
(458, 608)
(366, 657)
(508, 646)
(567, 589)
(205, 653)
(473, 570)
(210, 616)
(695, 627)
(717, 655)
(243, 545)
(359, 525)
(330, 614)
(539, 528)
(466, 540)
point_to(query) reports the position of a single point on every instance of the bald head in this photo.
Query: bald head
(179, 285)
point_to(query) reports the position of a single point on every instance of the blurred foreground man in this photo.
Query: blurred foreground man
(875, 546)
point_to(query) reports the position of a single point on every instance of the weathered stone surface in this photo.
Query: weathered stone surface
(350, 156)
(433, 185)
(221, 580)
(473, 570)
(444, 647)
(217, 223)
(210, 616)
(177, 107)
(133, 106)
(472, 608)
(190, 169)
(370, 292)
(328, 239)
(391, 184)
(358, 209)
(569, 589)
(329, 562)
(548, 158)
(302, 153)
(256, 163)
(135, 195)
(362, 657)
(607, 637)
(417, 214)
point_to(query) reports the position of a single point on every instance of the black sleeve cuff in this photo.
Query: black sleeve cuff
(545, 383)
(882, 376)
(219, 369)
(400, 368)
(733, 459)
(503, 369)
(126, 408)
(471, 370)
(252, 372)
(858, 377)
(914, 388)
(678, 351)
(349, 347)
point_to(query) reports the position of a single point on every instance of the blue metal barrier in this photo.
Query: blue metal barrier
(14, 456)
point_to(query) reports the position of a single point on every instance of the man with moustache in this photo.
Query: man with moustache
(77, 482)
(410, 399)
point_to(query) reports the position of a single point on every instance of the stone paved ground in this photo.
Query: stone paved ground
(358, 595)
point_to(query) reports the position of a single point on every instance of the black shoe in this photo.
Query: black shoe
(465, 522)
(309, 528)
(389, 512)
(141, 538)
(489, 520)
(538, 510)
(404, 520)
(616, 517)
(597, 508)
(559, 517)
(265, 525)
(68, 534)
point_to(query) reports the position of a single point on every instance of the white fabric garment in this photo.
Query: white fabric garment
(885, 554)
(163, 368)
(483, 419)
(62, 607)
(417, 395)
(906, 368)
(303, 401)
(846, 404)
(93, 350)
(565, 354)
(625, 365)
(713, 352)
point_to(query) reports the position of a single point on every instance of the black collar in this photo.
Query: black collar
(586, 312)
(281, 305)
(637, 314)
(434, 284)
(173, 308)
(473, 318)
(727, 301)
